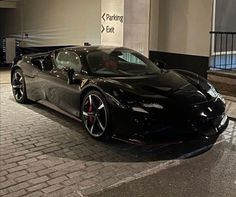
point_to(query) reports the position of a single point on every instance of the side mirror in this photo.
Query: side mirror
(70, 74)
(160, 64)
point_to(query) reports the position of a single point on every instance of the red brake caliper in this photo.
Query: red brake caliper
(90, 110)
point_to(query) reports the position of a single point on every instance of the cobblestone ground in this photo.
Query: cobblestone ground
(44, 153)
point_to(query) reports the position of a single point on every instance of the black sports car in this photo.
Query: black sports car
(117, 91)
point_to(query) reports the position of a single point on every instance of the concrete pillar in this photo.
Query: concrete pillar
(136, 26)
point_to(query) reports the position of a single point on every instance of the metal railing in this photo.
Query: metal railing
(223, 51)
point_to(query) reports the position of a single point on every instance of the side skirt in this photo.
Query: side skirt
(53, 107)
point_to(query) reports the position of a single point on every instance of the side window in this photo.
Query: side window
(129, 57)
(68, 59)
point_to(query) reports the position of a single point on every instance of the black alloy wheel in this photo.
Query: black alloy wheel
(95, 115)
(18, 86)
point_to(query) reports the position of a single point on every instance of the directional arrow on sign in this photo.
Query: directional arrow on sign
(103, 16)
(103, 28)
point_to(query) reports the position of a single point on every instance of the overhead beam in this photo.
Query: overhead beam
(5, 4)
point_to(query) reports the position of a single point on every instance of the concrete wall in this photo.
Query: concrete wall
(225, 15)
(55, 22)
(7, 4)
(184, 26)
(136, 26)
(176, 26)
(10, 22)
(2, 28)
(69, 22)
(154, 25)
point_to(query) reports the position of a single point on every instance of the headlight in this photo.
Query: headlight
(212, 91)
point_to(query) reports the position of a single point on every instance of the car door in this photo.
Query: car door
(32, 81)
(56, 87)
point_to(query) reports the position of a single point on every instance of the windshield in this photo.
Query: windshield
(120, 63)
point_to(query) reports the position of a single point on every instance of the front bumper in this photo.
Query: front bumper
(214, 126)
(168, 124)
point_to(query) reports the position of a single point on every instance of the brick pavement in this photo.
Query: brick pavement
(44, 153)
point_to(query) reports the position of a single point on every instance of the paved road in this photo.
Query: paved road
(44, 153)
(209, 174)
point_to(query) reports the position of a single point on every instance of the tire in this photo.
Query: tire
(96, 116)
(18, 87)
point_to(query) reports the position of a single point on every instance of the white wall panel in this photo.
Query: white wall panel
(55, 22)
(62, 22)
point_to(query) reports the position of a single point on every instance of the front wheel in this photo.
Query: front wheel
(95, 115)
(18, 86)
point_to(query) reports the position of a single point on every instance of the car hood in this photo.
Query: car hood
(178, 86)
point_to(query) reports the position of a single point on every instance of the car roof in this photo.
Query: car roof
(93, 48)
(86, 49)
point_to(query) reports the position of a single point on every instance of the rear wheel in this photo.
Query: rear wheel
(18, 86)
(95, 115)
